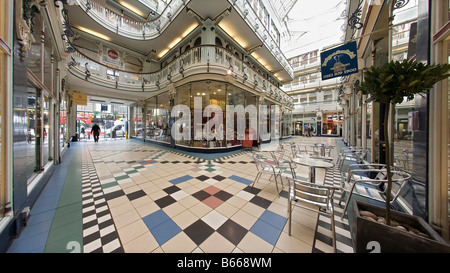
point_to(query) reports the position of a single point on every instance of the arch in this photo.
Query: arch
(218, 42)
(198, 41)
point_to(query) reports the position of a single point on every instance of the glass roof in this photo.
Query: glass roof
(311, 25)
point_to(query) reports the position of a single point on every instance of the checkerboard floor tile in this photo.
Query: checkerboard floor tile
(99, 232)
(139, 197)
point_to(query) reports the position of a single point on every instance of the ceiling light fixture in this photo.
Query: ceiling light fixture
(174, 42)
(189, 30)
(95, 33)
(233, 35)
(178, 39)
(132, 8)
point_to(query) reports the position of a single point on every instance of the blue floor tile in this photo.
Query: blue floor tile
(36, 218)
(33, 244)
(273, 219)
(33, 230)
(266, 232)
(161, 226)
(33, 238)
(269, 226)
(180, 179)
(241, 179)
(165, 231)
(156, 218)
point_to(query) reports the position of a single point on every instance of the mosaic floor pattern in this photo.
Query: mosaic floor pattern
(130, 196)
(169, 201)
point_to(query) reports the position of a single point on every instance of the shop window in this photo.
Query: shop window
(5, 68)
(46, 130)
(162, 114)
(62, 121)
(184, 98)
(152, 129)
(138, 122)
(32, 131)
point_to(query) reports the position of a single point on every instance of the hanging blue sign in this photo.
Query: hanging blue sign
(339, 61)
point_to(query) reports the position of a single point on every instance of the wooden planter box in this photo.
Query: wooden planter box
(371, 236)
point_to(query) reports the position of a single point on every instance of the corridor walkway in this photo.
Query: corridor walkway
(131, 196)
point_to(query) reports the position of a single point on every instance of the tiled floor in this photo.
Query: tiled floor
(130, 196)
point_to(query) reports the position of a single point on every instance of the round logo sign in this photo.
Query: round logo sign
(113, 54)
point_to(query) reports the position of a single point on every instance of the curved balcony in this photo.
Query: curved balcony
(254, 21)
(133, 29)
(200, 60)
(144, 30)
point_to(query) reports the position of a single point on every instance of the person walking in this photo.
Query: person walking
(96, 131)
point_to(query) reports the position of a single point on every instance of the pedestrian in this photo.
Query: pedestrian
(96, 131)
(82, 133)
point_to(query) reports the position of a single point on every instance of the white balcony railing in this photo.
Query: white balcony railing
(150, 29)
(254, 21)
(197, 60)
(139, 30)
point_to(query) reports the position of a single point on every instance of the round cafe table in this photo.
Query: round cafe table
(312, 164)
(323, 147)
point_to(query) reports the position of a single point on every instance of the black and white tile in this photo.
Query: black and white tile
(322, 239)
(99, 232)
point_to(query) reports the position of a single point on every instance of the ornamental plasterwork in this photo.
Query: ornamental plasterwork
(25, 11)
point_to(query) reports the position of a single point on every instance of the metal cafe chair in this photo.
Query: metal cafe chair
(266, 166)
(351, 154)
(370, 181)
(304, 194)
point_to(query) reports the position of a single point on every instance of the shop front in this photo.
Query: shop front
(210, 116)
(332, 124)
(110, 118)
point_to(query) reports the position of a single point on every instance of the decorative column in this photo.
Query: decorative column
(143, 105)
(71, 116)
(131, 124)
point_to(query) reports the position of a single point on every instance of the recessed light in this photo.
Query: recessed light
(95, 33)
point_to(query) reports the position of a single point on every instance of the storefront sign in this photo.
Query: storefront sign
(339, 61)
(113, 54)
(112, 57)
(79, 99)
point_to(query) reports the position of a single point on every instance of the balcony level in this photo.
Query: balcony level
(198, 63)
(155, 36)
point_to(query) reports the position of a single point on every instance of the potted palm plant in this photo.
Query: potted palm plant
(390, 84)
